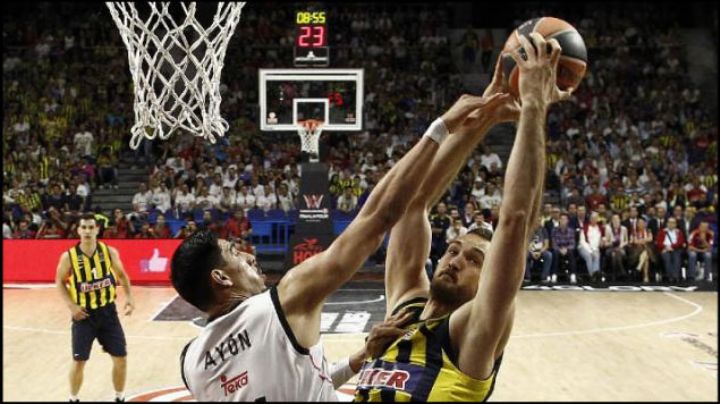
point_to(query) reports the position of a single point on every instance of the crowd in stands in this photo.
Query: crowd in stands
(633, 147)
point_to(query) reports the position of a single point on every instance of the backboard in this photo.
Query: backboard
(333, 96)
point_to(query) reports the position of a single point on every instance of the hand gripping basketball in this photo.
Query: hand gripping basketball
(538, 71)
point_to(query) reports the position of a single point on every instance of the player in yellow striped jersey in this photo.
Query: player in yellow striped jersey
(453, 347)
(87, 278)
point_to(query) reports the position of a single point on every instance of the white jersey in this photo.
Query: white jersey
(250, 354)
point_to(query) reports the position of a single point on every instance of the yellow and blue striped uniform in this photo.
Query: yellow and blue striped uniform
(92, 279)
(421, 366)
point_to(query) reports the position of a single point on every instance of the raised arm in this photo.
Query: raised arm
(304, 289)
(410, 238)
(480, 326)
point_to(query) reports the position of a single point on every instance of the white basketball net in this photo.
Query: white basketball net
(175, 63)
(309, 132)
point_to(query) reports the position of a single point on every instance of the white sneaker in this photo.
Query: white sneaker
(553, 278)
(548, 279)
(658, 277)
(573, 279)
(602, 279)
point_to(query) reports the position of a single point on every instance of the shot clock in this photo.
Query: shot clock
(311, 39)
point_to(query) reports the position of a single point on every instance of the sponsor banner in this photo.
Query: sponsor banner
(304, 246)
(314, 209)
(146, 261)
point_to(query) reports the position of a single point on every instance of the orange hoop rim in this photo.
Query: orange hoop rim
(311, 124)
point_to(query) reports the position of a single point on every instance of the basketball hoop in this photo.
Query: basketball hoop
(175, 64)
(309, 131)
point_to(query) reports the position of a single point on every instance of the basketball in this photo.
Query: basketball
(573, 59)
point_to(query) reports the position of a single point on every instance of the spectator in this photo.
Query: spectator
(439, 224)
(23, 230)
(285, 200)
(592, 239)
(456, 230)
(478, 189)
(160, 199)
(670, 243)
(74, 202)
(187, 230)
(658, 223)
(204, 201)
(631, 221)
(231, 178)
(120, 226)
(161, 229)
(640, 250)
(184, 200)
(83, 141)
(552, 222)
(141, 201)
(227, 201)
(488, 158)
(689, 221)
(563, 247)
(469, 213)
(594, 197)
(480, 222)
(616, 240)
(696, 192)
(145, 232)
(209, 223)
(245, 200)
(52, 228)
(7, 229)
(268, 199)
(491, 198)
(56, 199)
(347, 202)
(700, 245)
(106, 171)
(539, 250)
(216, 188)
(238, 226)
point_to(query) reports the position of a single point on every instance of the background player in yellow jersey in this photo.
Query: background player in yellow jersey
(87, 278)
(453, 348)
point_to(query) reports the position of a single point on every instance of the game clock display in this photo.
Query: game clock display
(311, 39)
(311, 29)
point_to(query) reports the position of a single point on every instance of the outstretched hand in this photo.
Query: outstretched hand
(467, 111)
(538, 71)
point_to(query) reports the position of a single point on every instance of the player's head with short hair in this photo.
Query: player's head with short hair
(458, 271)
(88, 227)
(207, 272)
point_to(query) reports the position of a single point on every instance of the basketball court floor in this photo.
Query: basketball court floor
(567, 345)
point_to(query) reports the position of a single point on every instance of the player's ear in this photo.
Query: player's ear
(220, 277)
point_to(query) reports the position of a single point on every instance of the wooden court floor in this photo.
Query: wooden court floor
(566, 346)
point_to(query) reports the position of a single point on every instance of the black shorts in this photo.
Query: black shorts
(103, 324)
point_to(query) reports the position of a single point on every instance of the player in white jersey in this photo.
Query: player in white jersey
(264, 344)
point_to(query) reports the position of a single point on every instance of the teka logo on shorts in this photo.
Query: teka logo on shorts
(305, 250)
(313, 201)
(236, 383)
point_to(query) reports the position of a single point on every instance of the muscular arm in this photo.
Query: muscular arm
(478, 327)
(61, 275)
(119, 270)
(304, 289)
(411, 237)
